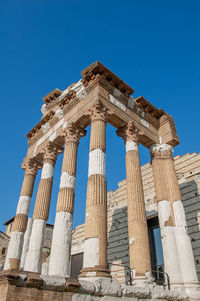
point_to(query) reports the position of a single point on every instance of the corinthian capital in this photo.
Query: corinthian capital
(73, 133)
(31, 166)
(161, 151)
(129, 132)
(98, 112)
(51, 151)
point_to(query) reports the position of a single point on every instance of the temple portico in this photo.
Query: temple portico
(100, 97)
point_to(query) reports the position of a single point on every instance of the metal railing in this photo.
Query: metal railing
(160, 276)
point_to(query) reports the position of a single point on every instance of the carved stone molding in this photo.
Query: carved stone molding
(51, 151)
(129, 132)
(98, 112)
(73, 133)
(161, 155)
(31, 166)
(161, 151)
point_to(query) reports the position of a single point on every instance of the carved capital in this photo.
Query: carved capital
(31, 166)
(73, 133)
(129, 132)
(98, 112)
(51, 151)
(161, 151)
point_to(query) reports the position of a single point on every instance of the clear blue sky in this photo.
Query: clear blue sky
(154, 46)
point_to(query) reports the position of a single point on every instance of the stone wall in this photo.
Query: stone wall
(188, 172)
(4, 241)
(31, 286)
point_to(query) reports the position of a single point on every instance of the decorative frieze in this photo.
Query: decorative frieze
(117, 103)
(144, 122)
(45, 127)
(59, 113)
(131, 102)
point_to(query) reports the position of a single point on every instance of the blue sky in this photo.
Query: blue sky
(154, 46)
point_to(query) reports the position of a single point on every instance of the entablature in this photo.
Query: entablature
(98, 68)
(100, 84)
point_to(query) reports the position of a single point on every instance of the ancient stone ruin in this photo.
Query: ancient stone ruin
(100, 97)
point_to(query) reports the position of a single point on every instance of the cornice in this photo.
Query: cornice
(38, 126)
(148, 107)
(98, 68)
(52, 96)
(99, 83)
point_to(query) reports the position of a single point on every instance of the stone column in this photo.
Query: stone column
(26, 242)
(139, 252)
(19, 226)
(177, 248)
(41, 211)
(62, 234)
(95, 245)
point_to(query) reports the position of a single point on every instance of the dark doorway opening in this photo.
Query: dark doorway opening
(76, 265)
(156, 252)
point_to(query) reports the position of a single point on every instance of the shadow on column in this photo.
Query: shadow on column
(118, 248)
(192, 211)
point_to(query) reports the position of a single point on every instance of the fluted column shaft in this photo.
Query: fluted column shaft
(41, 211)
(177, 249)
(62, 234)
(95, 245)
(137, 224)
(19, 226)
(139, 252)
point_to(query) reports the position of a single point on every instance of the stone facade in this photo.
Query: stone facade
(4, 241)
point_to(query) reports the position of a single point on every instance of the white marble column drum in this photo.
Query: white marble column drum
(33, 259)
(19, 227)
(177, 248)
(95, 245)
(59, 263)
(139, 252)
(26, 242)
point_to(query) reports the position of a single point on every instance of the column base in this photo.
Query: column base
(94, 272)
(142, 280)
